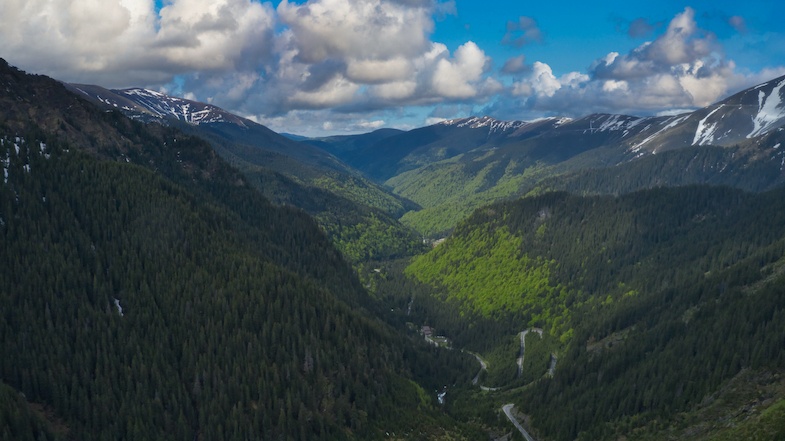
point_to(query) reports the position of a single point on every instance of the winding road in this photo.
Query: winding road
(507, 408)
(523, 347)
(483, 367)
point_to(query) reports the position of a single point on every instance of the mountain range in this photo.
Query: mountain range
(347, 205)
(172, 270)
(456, 166)
(431, 177)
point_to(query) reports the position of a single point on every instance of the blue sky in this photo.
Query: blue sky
(321, 67)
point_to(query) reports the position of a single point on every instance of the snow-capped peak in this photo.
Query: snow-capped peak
(145, 103)
(771, 109)
(494, 125)
(164, 106)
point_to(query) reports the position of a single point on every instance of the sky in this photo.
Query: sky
(323, 67)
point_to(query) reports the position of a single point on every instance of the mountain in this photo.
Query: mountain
(340, 145)
(400, 152)
(456, 166)
(150, 105)
(241, 136)
(662, 309)
(752, 113)
(348, 206)
(150, 292)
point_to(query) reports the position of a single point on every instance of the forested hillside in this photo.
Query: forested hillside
(660, 298)
(149, 292)
(349, 207)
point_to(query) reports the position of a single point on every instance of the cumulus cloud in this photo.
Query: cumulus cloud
(456, 78)
(128, 42)
(365, 55)
(682, 68)
(682, 43)
(542, 80)
(361, 29)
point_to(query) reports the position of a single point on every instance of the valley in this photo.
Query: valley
(172, 270)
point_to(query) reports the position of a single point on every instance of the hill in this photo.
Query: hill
(150, 292)
(660, 299)
(347, 206)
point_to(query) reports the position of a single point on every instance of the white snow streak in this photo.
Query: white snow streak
(119, 308)
(704, 134)
(770, 110)
(671, 122)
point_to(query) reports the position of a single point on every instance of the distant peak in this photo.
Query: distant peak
(478, 122)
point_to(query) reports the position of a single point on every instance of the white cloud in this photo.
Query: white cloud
(364, 55)
(522, 88)
(127, 42)
(209, 34)
(614, 85)
(573, 79)
(362, 29)
(681, 42)
(431, 120)
(335, 92)
(370, 125)
(379, 71)
(682, 68)
(399, 90)
(542, 81)
(457, 77)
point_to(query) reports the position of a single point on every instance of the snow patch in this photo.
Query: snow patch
(160, 105)
(770, 110)
(704, 134)
(615, 122)
(492, 124)
(669, 124)
(632, 125)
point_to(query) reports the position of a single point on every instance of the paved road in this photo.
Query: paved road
(507, 408)
(483, 367)
(523, 352)
(523, 347)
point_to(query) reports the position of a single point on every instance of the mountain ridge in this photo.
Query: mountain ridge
(349, 207)
(453, 167)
